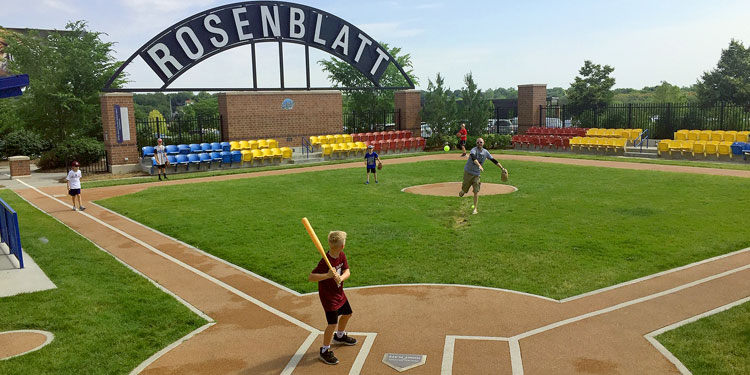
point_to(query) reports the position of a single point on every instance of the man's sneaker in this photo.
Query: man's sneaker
(327, 357)
(367, 182)
(81, 208)
(74, 209)
(461, 193)
(344, 340)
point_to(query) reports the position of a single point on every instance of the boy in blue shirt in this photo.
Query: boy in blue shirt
(370, 158)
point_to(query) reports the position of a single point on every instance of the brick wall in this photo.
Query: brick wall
(255, 115)
(409, 103)
(117, 152)
(530, 97)
(19, 166)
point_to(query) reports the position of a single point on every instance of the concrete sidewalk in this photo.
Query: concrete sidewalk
(36, 179)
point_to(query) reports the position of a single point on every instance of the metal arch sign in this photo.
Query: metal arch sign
(194, 39)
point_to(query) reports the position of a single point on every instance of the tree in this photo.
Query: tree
(593, 88)
(67, 69)
(730, 80)
(341, 74)
(666, 93)
(439, 107)
(474, 108)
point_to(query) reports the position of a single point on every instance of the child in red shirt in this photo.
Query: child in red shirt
(332, 297)
(462, 139)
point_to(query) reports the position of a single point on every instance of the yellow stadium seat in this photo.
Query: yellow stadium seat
(336, 149)
(348, 138)
(353, 149)
(591, 132)
(619, 144)
(705, 135)
(717, 135)
(345, 149)
(635, 134)
(362, 146)
(262, 143)
(574, 142)
(675, 146)
(591, 142)
(608, 133)
(327, 150)
(244, 145)
(699, 147)
(725, 148)
(247, 156)
(663, 146)
(609, 143)
(234, 145)
(276, 154)
(712, 148)
(323, 140)
(694, 135)
(729, 136)
(286, 153)
(743, 136)
(257, 156)
(619, 133)
(267, 154)
(331, 139)
(252, 145)
(339, 138)
(681, 135)
(314, 141)
(272, 143)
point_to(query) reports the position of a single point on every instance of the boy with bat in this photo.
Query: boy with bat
(330, 275)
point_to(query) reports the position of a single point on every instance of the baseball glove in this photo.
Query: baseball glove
(380, 166)
(504, 175)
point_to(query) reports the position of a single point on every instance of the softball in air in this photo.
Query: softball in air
(447, 148)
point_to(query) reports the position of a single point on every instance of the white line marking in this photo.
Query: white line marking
(206, 276)
(171, 346)
(363, 352)
(651, 337)
(49, 336)
(516, 362)
(454, 285)
(299, 354)
(448, 349)
(626, 304)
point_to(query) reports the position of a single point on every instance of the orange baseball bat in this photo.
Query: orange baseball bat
(316, 241)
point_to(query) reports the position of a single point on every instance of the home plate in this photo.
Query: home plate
(403, 362)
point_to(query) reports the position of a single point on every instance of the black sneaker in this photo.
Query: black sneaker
(461, 193)
(81, 208)
(327, 357)
(345, 340)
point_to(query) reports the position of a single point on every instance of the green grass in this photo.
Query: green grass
(105, 318)
(715, 345)
(568, 230)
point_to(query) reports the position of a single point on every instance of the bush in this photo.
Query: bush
(84, 150)
(23, 142)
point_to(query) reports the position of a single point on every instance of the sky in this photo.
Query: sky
(502, 43)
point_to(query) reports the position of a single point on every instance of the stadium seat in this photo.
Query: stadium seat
(267, 154)
(236, 157)
(314, 141)
(205, 158)
(694, 135)
(574, 142)
(347, 138)
(276, 154)
(408, 143)
(379, 136)
(681, 135)
(244, 145)
(194, 159)
(609, 133)
(407, 134)
(746, 151)
(262, 143)
(704, 135)
(172, 150)
(247, 156)
(172, 161)
(216, 147)
(226, 146)
(148, 151)
(591, 132)
(370, 137)
(181, 159)
(699, 147)
(729, 136)
(195, 148)
(257, 156)
(725, 148)
(272, 143)
(234, 145)
(226, 157)
(286, 153)
(717, 135)
(330, 139)
(206, 147)
(712, 148)
(743, 136)
(663, 146)
(420, 141)
(184, 149)
(339, 138)
(253, 144)
(737, 148)
(327, 150)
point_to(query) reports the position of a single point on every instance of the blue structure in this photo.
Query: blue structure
(11, 86)
(9, 233)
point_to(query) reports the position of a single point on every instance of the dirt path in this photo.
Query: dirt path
(262, 328)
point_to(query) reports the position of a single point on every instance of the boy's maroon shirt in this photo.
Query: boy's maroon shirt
(332, 296)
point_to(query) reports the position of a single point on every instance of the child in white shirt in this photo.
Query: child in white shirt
(74, 185)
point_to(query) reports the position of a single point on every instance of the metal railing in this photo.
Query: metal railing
(306, 147)
(178, 130)
(101, 165)
(371, 121)
(643, 137)
(661, 119)
(9, 233)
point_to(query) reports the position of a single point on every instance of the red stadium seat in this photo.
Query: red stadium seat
(408, 142)
(379, 136)
(420, 141)
(407, 133)
(384, 145)
(392, 135)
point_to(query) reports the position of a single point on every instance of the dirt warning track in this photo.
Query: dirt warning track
(256, 326)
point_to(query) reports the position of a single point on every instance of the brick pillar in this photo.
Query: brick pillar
(408, 102)
(19, 166)
(530, 97)
(122, 148)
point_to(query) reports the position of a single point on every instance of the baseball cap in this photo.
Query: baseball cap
(370, 146)
(75, 164)
(159, 140)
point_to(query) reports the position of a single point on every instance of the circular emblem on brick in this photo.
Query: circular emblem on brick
(451, 189)
(18, 343)
(287, 104)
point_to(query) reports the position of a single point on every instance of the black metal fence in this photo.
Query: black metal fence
(372, 121)
(179, 130)
(100, 165)
(662, 119)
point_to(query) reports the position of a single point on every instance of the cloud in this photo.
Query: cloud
(388, 30)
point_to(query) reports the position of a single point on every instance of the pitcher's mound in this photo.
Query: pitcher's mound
(451, 189)
(15, 343)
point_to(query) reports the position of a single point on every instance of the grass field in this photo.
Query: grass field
(716, 345)
(105, 318)
(568, 230)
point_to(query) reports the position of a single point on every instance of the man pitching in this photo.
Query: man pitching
(474, 168)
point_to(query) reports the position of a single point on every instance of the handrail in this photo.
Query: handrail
(643, 138)
(306, 147)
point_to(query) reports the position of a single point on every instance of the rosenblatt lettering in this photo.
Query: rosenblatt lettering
(198, 37)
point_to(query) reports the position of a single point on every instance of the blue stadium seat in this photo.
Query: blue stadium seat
(195, 148)
(194, 159)
(216, 147)
(737, 147)
(205, 158)
(746, 150)
(148, 151)
(226, 157)
(172, 150)
(226, 146)
(236, 156)
(172, 160)
(216, 157)
(180, 159)
(184, 149)
(205, 147)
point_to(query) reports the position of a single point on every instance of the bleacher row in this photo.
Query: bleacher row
(223, 153)
(352, 144)
(540, 137)
(707, 142)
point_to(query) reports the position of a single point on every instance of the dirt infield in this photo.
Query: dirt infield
(16, 343)
(260, 327)
(451, 189)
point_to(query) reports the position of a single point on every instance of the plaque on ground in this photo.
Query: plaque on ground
(403, 362)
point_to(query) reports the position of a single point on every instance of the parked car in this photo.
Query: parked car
(426, 130)
(501, 126)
